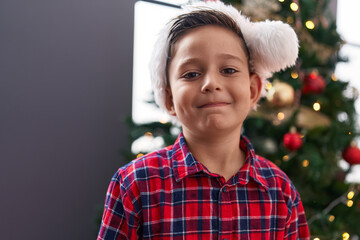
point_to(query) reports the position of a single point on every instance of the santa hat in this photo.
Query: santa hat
(273, 46)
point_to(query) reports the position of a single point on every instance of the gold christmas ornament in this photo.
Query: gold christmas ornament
(281, 94)
(260, 9)
(306, 117)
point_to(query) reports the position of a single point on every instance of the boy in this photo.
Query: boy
(209, 70)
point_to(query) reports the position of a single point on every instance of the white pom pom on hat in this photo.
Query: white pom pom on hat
(273, 46)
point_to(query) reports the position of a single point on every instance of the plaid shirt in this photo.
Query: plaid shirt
(169, 195)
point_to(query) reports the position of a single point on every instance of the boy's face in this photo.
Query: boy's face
(210, 85)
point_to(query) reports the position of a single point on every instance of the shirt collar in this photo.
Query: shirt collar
(252, 166)
(185, 164)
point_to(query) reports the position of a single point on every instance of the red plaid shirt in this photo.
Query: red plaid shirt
(169, 195)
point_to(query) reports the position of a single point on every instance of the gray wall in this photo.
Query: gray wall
(65, 89)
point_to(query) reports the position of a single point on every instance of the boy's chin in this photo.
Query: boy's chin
(214, 126)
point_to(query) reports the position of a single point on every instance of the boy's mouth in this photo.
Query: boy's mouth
(214, 104)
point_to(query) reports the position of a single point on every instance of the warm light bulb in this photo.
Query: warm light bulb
(276, 122)
(281, 116)
(350, 203)
(281, 0)
(148, 134)
(290, 20)
(316, 106)
(333, 77)
(294, 75)
(285, 158)
(346, 236)
(316, 238)
(310, 24)
(294, 7)
(139, 155)
(268, 86)
(162, 121)
(331, 218)
(350, 195)
(305, 163)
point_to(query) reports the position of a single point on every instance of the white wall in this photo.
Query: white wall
(347, 24)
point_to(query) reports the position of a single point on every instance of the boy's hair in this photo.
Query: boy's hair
(185, 22)
(272, 45)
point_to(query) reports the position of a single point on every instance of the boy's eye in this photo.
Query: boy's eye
(228, 71)
(191, 75)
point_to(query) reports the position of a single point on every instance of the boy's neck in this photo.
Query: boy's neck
(219, 153)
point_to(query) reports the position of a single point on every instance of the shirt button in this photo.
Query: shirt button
(224, 190)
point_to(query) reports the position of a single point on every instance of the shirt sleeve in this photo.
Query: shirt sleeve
(120, 220)
(297, 228)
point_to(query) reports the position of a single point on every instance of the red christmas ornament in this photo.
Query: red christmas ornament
(292, 140)
(351, 154)
(313, 83)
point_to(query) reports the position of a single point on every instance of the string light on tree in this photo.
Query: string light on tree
(148, 134)
(331, 218)
(309, 24)
(286, 158)
(346, 236)
(350, 195)
(305, 163)
(334, 78)
(290, 20)
(350, 203)
(294, 7)
(317, 106)
(281, 116)
(268, 86)
(294, 75)
(276, 122)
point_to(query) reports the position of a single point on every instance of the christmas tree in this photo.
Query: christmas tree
(306, 124)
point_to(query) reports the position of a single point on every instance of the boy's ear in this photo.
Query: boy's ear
(255, 89)
(169, 102)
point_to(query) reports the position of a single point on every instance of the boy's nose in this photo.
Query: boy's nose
(210, 84)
